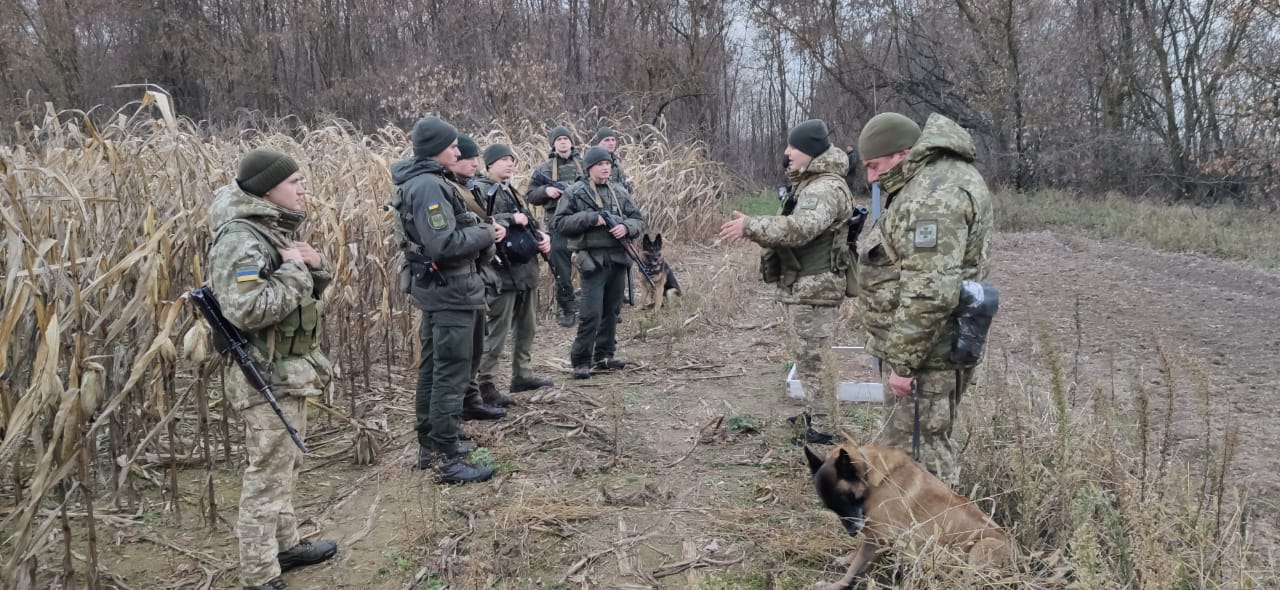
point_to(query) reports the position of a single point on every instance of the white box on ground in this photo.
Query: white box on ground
(846, 391)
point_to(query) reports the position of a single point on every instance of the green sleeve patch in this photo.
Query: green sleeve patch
(437, 221)
(926, 234)
(808, 203)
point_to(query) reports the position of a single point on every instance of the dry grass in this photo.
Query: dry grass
(103, 231)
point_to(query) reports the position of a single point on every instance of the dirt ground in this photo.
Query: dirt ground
(676, 473)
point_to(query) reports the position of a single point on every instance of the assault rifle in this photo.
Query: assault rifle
(228, 340)
(542, 177)
(629, 246)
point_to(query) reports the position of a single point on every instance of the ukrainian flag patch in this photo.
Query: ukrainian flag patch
(246, 274)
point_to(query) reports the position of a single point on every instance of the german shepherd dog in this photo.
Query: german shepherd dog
(881, 493)
(664, 279)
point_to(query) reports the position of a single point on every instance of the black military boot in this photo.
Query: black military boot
(493, 397)
(568, 315)
(462, 448)
(275, 583)
(530, 384)
(582, 372)
(307, 553)
(608, 363)
(456, 469)
(426, 458)
(483, 412)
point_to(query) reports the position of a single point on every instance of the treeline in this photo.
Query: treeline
(1166, 98)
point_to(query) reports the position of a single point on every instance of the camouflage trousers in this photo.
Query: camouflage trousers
(267, 524)
(510, 312)
(810, 328)
(940, 393)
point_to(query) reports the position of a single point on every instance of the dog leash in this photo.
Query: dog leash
(915, 420)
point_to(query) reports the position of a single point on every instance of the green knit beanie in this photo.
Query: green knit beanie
(558, 132)
(467, 147)
(497, 152)
(886, 134)
(810, 137)
(262, 169)
(594, 156)
(602, 133)
(431, 135)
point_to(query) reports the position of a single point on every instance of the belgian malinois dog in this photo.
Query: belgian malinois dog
(880, 493)
(664, 279)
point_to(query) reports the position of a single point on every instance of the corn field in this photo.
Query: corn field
(107, 386)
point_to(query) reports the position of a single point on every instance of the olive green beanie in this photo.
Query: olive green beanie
(467, 147)
(886, 134)
(594, 156)
(558, 132)
(810, 137)
(497, 152)
(602, 133)
(262, 169)
(431, 135)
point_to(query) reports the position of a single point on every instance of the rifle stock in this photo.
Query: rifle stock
(230, 341)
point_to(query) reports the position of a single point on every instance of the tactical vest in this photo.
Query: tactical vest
(827, 252)
(296, 334)
(597, 237)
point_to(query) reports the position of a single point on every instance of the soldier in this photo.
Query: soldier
(461, 176)
(269, 286)
(607, 138)
(511, 280)
(561, 168)
(443, 242)
(934, 233)
(807, 255)
(599, 257)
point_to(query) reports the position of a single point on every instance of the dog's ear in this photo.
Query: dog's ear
(845, 467)
(815, 462)
(645, 241)
(657, 241)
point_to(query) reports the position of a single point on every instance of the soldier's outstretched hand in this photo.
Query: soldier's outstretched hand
(732, 230)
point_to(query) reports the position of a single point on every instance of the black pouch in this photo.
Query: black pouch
(520, 246)
(978, 305)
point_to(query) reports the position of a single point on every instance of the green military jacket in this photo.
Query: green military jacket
(275, 302)
(554, 169)
(448, 234)
(935, 232)
(823, 205)
(616, 175)
(576, 219)
(499, 275)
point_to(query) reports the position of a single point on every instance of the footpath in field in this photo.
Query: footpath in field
(676, 472)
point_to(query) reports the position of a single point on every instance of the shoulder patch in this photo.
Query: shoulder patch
(437, 220)
(809, 202)
(246, 273)
(926, 234)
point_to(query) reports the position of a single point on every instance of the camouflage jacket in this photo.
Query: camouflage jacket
(449, 234)
(823, 204)
(617, 175)
(934, 233)
(567, 170)
(576, 219)
(260, 291)
(499, 276)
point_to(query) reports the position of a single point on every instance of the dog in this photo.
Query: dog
(664, 279)
(881, 493)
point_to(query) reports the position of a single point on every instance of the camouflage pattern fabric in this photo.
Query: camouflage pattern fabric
(823, 201)
(939, 401)
(257, 290)
(809, 343)
(935, 232)
(267, 524)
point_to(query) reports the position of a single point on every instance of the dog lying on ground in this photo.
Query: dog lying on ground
(881, 493)
(664, 279)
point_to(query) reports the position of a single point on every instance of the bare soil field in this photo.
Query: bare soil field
(677, 473)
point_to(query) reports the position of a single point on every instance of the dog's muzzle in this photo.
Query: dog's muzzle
(853, 524)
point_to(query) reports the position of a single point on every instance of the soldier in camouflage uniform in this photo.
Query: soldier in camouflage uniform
(511, 286)
(607, 138)
(934, 233)
(562, 167)
(444, 242)
(462, 178)
(269, 286)
(807, 255)
(600, 258)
